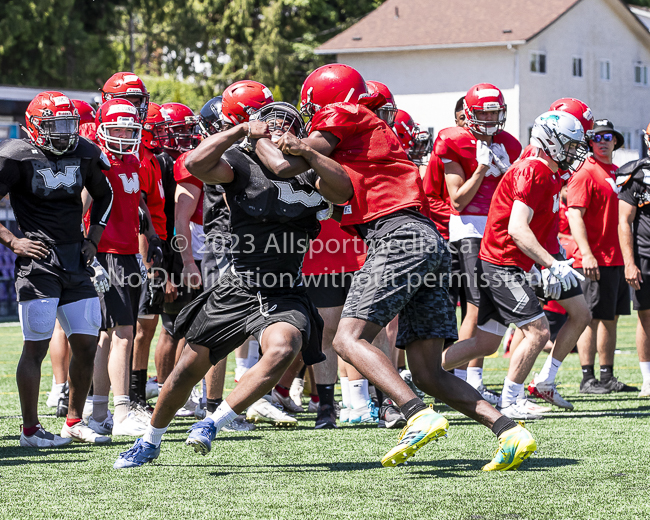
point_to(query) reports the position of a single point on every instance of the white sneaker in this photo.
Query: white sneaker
(240, 424)
(239, 373)
(313, 407)
(488, 395)
(151, 388)
(645, 390)
(88, 409)
(80, 432)
(364, 414)
(190, 406)
(344, 415)
(533, 407)
(262, 411)
(296, 390)
(42, 439)
(548, 392)
(518, 411)
(141, 412)
(286, 402)
(132, 426)
(103, 428)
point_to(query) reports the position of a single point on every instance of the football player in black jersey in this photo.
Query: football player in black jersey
(57, 275)
(272, 220)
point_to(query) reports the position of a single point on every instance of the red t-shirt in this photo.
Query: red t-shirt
(182, 175)
(121, 233)
(459, 145)
(334, 251)
(532, 182)
(435, 189)
(151, 184)
(383, 177)
(593, 187)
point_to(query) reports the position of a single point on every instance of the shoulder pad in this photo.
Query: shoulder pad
(638, 170)
(20, 150)
(87, 148)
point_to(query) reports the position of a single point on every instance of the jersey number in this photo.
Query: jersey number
(54, 180)
(131, 185)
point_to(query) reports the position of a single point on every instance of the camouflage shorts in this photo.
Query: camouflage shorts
(407, 273)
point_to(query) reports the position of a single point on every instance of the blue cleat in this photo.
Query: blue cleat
(201, 436)
(140, 453)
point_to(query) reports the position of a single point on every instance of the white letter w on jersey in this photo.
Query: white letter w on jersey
(54, 180)
(290, 196)
(131, 185)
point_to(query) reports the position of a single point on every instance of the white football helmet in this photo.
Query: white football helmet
(561, 136)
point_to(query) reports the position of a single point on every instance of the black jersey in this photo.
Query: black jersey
(633, 180)
(272, 220)
(169, 187)
(216, 215)
(45, 189)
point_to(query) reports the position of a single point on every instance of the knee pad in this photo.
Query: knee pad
(37, 318)
(494, 327)
(81, 317)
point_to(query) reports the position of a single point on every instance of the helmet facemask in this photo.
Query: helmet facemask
(281, 117)
(387, 114)
(483, 126)
(422, 145)
(57, 134)
(574, 154)
(183, 137)
(121, 145)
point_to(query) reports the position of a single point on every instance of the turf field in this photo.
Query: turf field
(592, 463)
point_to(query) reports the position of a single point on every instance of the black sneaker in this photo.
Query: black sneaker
(390, 416)
(326, 417)
(64, 400)
(614, 385)
(593, 386)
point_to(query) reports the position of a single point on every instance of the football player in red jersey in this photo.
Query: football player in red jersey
(517, 225)
(385, 211)
(118, 134)
(475, 157)
(388, 111)
(45, 176)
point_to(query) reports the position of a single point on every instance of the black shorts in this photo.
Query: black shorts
(608, 297)
(555, 322)
(467, 250)
(406, 273)
(146, 307)
(328, 290)
(36, 279)
(224, 316)
(641, 298)
(120, 303)
(506, 297)
(564, 295)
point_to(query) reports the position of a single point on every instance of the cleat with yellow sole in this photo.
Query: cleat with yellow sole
(515, 446)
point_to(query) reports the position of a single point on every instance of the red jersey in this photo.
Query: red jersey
(532, 182)
(435, 189)
(383, 177)
(182, 175)
(89, 131)
(593, 187)
(151, 184)
(456, 144)
(121, 233)
(334, 251)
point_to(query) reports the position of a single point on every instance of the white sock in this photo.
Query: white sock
(241, 362)
(645, 371)
(100, 407)
(154, 435)
(223, 415)
(359, 395)
(345, 392)
(475, 376)
(460, 374)
(510, 393)
(253, 353)
(122, 404)
(549, 370)
(56, 389)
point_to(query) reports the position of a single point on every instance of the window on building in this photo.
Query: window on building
(605, 70)
(538, 62)
(640, 74)
(577, 67)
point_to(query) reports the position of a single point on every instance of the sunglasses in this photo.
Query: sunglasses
(602, 137)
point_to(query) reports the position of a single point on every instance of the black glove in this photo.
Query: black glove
(155, 251)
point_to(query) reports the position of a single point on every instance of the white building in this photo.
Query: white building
(430, 52)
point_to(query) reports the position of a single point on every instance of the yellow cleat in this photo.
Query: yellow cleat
(515, 446)
(422, 428)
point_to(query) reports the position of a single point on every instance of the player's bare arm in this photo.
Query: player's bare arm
(462, 190)
(626, 216)
(579, 232)
(523, 236)
(187, 198)
(333, 183)
(97, 190)
(205, 161)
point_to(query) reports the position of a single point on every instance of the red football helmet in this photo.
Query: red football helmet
(485, 97)
(154, 133)
(242, 98)
(335, 83)
(182, 128)
(577, 109)
(405, 128)
(53, 122)
(388, 111)
(118, 127)
(86, 111)
(127, 85)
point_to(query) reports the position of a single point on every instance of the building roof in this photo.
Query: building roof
(433, 24)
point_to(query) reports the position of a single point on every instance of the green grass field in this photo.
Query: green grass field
(592, 463)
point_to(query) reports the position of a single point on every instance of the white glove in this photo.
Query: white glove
(500, 157)
(143, 268)
(483, 153)
(567, 276)
(325, 214)
(534, 277)
(100, 278)
(552, 286)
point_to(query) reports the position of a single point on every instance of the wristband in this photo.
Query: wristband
(92, 242)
